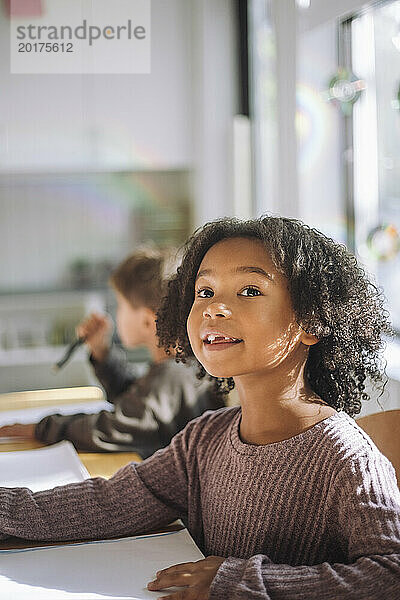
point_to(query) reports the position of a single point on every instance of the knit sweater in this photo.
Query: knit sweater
(145, 412)
(316, 516)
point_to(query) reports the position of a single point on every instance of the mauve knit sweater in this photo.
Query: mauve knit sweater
(314, 517)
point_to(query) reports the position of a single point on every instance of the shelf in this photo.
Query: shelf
(38, 355)
(52, 299)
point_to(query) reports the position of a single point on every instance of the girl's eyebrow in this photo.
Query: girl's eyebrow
(243, 269)
(203, 272)
(258, 270)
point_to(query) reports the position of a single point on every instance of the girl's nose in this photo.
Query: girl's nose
(216, 309)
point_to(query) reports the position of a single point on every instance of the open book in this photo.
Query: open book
(105, 569)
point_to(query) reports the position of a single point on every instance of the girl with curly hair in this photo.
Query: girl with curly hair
(286, 496)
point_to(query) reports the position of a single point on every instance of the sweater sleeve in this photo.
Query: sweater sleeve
(114, 373)
(145, 417)
(363, 512)
(105, 431)
(137, 498)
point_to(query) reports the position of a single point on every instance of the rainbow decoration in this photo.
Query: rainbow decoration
(383, 241)
(344, 89)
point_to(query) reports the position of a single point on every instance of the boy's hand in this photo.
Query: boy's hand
(18, 431)
(195, 577)
(96, 329)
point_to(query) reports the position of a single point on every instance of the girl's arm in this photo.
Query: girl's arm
(137, 498)
(363, 508)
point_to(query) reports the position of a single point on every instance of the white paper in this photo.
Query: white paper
(41, 469)
(34, 415)
(109, 570)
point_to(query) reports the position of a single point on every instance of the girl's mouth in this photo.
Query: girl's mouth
(215, 341)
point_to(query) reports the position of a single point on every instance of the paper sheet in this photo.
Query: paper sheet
(41, 469)
(107, 570)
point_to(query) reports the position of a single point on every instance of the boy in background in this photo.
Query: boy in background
(147, 411)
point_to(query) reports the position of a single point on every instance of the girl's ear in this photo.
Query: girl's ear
(308, 339)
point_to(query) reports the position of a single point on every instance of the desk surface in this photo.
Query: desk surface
(54, 397)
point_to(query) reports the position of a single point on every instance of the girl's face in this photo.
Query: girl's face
(242, 320)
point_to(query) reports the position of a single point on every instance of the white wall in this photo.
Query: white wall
(69, 122)
(179, 116)
(215, 100)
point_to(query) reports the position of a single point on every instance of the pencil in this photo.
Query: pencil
(68, 353)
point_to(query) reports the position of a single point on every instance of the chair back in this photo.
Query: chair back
(384, 430)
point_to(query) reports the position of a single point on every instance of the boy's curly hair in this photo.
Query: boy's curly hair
(331, 295)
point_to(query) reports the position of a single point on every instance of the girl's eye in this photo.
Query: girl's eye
(204, 293)
(250, 291)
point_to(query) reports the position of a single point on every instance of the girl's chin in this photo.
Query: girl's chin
(213, 369)
(218, 373)
(221, 376)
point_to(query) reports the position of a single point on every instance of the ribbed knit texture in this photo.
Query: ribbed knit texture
(313, 517)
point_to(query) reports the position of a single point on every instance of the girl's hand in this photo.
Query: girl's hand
(195, 577)
(18, 431)
(96, 329)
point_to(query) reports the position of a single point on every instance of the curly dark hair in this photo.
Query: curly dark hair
(332, 297)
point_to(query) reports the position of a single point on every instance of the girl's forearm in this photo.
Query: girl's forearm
(368, 578)
(95, 508)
